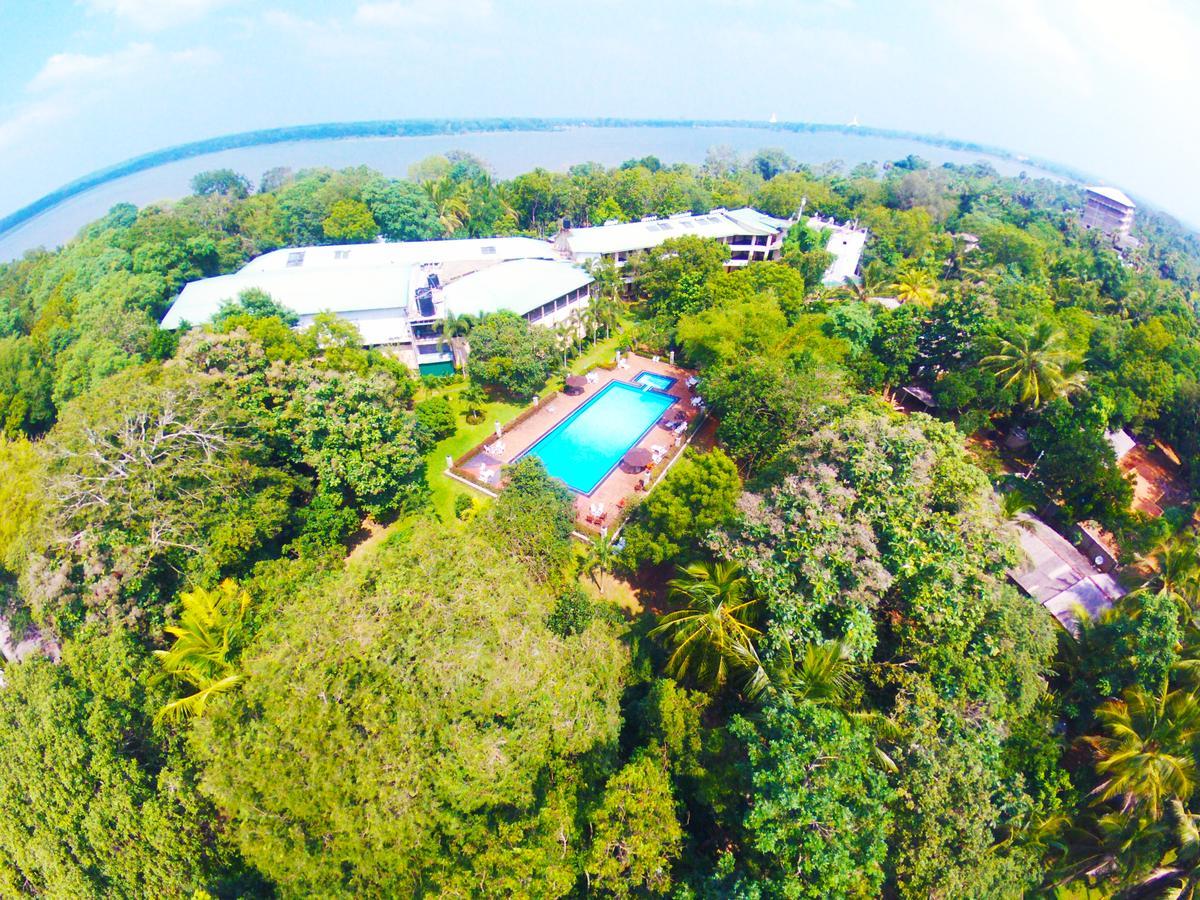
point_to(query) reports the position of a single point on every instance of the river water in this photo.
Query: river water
(509, 152)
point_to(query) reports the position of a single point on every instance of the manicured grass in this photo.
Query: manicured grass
(444, 489)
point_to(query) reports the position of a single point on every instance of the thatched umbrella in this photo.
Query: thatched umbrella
(637, 458)
(575, 382)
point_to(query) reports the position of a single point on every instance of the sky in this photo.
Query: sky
(1105, 86)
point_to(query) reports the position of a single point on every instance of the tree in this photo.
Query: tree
(1036, 364)
(711, 636)
(374, 762)
(636, 834)
(810, 789)
(95, 805)
(675, 277)
(254, 304)
(350, 222)
(225, 182)
(699, 494)
(206, 639)
(403, 210)
(435, 421)
(916, 286)
(511, 355)
(1146, 755)
(533, 519)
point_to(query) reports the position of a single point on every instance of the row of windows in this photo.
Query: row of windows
(554, 305)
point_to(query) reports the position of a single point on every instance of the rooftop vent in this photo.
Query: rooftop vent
(295, 258)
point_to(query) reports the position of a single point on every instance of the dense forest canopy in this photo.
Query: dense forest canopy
(279, 654)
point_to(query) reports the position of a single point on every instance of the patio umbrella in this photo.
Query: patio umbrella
(637, 458)
(577, 382)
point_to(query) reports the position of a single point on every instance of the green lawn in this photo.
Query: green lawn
(444, 489)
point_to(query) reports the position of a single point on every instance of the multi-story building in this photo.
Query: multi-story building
(1109, 210)
(398, 294)
(846, 242)
(750, 234)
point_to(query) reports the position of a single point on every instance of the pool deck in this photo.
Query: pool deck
(615, 489)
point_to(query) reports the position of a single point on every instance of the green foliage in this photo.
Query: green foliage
(636, 834)
(225, 182)
(92, 806)
(345, 773)
(816, 820)
(206, 640)
(350, 222)
(698, 495)
(435, 421)
(403, 210)
(252, 304)
(573, 612)
(533, 518)
(509, 354)
(675, 277)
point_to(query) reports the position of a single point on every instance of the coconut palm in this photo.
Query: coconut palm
(823, 674)
(599, 560)
(916, 286)
(205, 639)
(1015, 507)
(1177, 567)
(453, 208)
(712, 635)
(1111, 846)
(1178, 879)
(1146, 754)
(1037, 364)
(873, 282)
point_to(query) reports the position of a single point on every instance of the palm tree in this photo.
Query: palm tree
(1037, 364)
(453, 208)
(1177, 567)
(872, 283)
(599, 560)
(1180, 879)
(915, 286)
(823, 674)
(205, 638)
(1015, 507)
(712, 634)
(1146, 755)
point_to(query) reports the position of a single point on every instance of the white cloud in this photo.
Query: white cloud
(62, 70)
(416, 13)
(69, 83)
(156, 15)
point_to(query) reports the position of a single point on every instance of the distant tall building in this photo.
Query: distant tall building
(1110, 210)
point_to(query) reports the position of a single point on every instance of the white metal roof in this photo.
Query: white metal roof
(630, 236)
(519, 285)
(346, 256)
(303, 292)
(1114, 194)
(846, 244)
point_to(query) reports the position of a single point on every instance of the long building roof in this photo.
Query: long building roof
(628, 237)
(517, 274)
(519, 285)
(401, 253)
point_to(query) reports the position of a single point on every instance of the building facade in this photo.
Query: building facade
(1109, 210)
(399, 294)
(750, 235)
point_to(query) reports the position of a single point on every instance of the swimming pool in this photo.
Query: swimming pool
(654, 380)
(584, 447)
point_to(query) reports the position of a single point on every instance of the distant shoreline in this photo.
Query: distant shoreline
(391, 128)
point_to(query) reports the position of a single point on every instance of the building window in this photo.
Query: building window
(295, 258)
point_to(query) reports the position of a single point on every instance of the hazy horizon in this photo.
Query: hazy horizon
(1095, 86)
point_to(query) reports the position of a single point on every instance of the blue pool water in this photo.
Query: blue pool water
(586, 445)
(651, 379)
